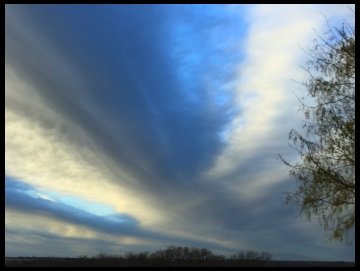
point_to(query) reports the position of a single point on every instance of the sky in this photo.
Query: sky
(136, 127)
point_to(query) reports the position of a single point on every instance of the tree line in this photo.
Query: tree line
(171, 256)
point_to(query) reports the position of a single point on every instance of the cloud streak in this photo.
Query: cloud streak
(170, 115)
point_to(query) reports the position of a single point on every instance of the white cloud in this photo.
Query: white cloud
(48, 158)
(264, 94)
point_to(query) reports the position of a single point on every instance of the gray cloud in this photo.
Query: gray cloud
(146, 107)
(17, 198)
(146, 90)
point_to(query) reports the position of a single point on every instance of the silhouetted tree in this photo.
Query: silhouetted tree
(171, 256)
(265, 256)
(238, 256)
(250, 257)
(326, 173)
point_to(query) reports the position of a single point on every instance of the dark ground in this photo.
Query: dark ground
(63, 262)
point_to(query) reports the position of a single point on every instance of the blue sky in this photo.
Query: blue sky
(135, 127)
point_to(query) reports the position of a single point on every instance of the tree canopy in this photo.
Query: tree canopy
(326, 174)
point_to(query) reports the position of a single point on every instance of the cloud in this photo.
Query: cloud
(75, 141)
(65, 220)
(144, 123)
(144, 95)
(169, 115)
(61, 240)
(266, 88)
(19, 196)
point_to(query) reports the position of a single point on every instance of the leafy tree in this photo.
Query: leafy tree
(326, 173)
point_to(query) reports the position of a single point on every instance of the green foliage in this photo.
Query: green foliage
(326, 173)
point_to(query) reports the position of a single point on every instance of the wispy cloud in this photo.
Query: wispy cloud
(266, 92)
(169, 116)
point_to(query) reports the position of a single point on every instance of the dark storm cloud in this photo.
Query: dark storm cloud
(150, 73)
(152, 98)
(152, 86)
